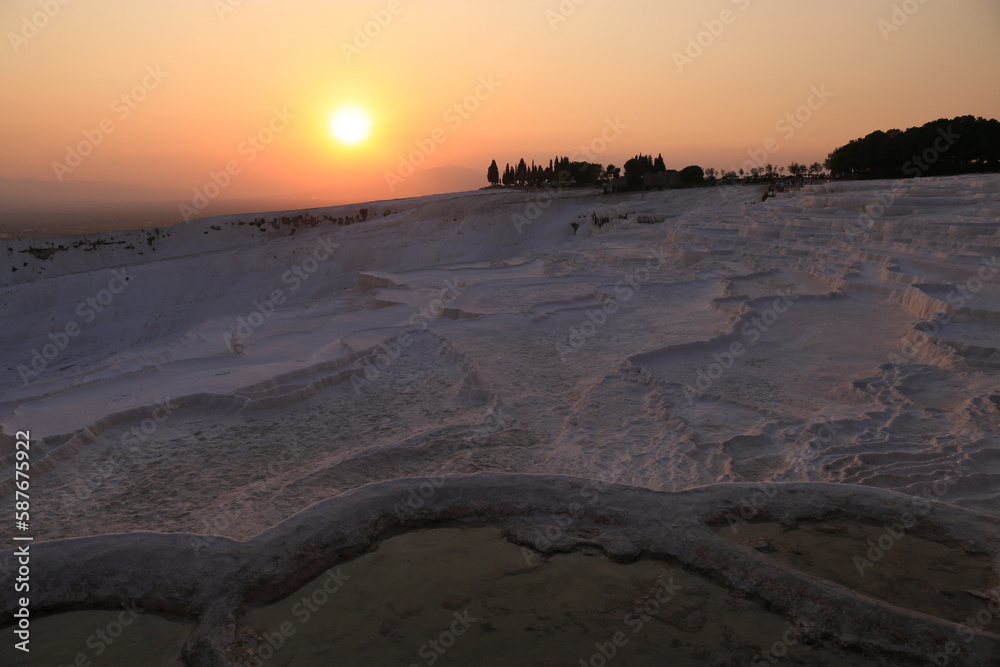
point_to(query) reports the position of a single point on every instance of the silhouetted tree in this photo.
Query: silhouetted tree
(508, 175)
(691, 176)
(797, 170)
(521, 176)
(964, 144)
(493, 173)
(585, 173)
(636, 168)
(561, 172)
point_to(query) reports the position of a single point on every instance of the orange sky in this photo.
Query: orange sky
(201, 77)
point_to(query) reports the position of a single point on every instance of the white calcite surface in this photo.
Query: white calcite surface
(223, 376)
(219, 381)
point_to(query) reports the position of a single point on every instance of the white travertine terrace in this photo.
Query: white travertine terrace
(837, 337)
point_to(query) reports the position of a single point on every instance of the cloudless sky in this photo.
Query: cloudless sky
(560, 71)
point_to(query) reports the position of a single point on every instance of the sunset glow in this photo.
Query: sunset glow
(537, 332)
(106, 91)
(350, 125)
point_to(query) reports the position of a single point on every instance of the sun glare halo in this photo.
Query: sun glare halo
(350, 125)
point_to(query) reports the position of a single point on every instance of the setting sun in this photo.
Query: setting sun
(350, 125)
(687, 313)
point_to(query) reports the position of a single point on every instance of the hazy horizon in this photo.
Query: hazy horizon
(32, 207)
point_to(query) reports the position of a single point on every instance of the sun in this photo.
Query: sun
(350, 125)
